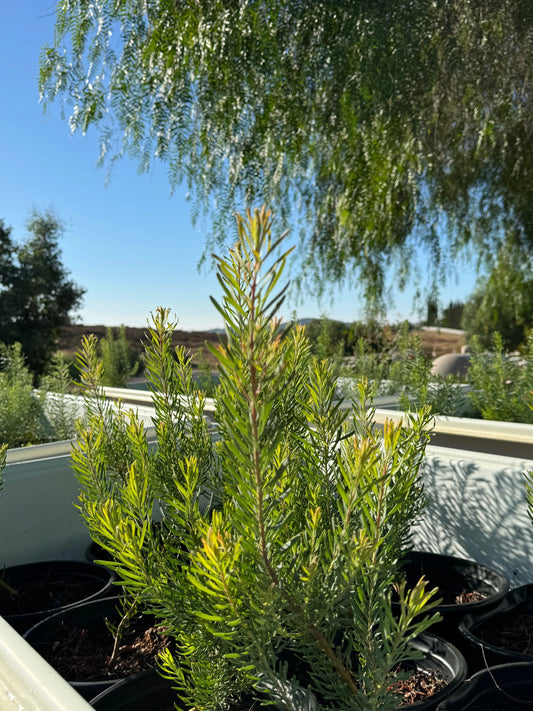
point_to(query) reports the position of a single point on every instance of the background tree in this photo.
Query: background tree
(502, 301)
(452, 315)
(432, 311)
(36, 294)
(381, 126)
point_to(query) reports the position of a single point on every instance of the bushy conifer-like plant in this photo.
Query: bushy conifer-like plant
(283, 531)
(20, 412)
(502, 381)
(119, 360)
(62, 410)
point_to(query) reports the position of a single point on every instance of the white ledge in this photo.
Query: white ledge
(27, 682)
(468, 427)
(459, 426)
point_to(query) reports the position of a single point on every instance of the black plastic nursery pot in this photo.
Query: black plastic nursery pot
(501, 635)
(442, 659)
(94, 552)
(464, 586)
(507, 687)
(71, 639)
(37, 590)
(144, 692)
(150, 691)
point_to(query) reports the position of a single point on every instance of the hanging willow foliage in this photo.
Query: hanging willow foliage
(383, 124)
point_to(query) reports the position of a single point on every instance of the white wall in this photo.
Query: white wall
(478, 510)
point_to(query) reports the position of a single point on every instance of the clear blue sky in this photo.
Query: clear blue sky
(131, 244)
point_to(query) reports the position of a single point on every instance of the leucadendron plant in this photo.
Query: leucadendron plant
(283, 530)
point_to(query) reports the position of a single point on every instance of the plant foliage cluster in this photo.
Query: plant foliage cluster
(404, 369)
(36, 294)
(28, 416)
(283, 531)
(502, 383)
(503, 301)
(384, 125)
(119, 360)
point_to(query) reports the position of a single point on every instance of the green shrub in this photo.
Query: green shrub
(3, 449)
(405, 369)
(119, 359)
(282, 541)
(501, 383)
(61, 410)
(327, 339)
(21, 413)
(204, 379)
(28, 416)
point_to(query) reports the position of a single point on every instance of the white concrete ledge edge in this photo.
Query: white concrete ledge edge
(27, 682)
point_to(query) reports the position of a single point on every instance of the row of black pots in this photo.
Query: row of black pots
(440, 657)
(148, 690)
(31, 592)
(502, 688)
(453, 576)
(501, 678)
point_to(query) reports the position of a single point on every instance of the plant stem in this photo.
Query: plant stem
(9, 589)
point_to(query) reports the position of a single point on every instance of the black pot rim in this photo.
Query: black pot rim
(513, 598)
(149, 676)
(80, 567)
(482, 682)
(447, 655)
(493, 577)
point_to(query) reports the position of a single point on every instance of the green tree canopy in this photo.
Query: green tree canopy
(36, 294)
(378, 125)
(503, 301)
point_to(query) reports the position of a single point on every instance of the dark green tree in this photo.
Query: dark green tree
(502, 301)
(379, 125)
(452, 315)
(36, 294)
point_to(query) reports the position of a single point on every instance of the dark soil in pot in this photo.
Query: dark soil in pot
(481, 692)
(464, 586)
(31, 592)
(437, 675)
(79, 645)
(503, 634)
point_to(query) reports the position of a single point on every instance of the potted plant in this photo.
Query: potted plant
(33, 591)
(284, 539)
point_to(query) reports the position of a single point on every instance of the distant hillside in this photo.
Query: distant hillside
(192, 340)
(435, 342)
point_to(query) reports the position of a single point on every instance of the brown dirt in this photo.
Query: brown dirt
(84, 653)
(193, 341)
(419, 687)
(434, 342)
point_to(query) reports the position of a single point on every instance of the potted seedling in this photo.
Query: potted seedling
(284, 529)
